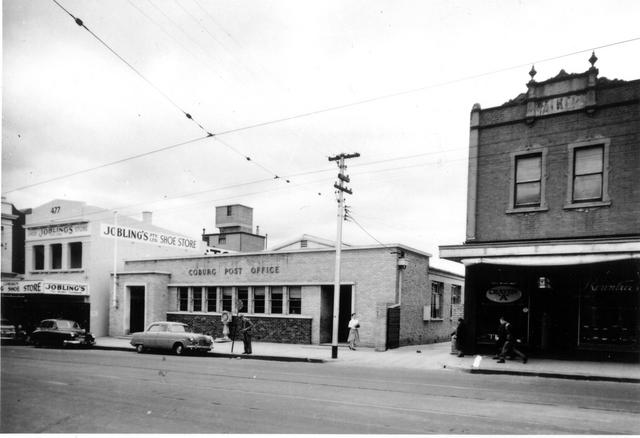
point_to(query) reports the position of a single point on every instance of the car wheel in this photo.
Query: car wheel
(178, 349)
(140, 348)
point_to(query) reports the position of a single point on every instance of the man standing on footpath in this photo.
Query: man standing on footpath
(245, 328)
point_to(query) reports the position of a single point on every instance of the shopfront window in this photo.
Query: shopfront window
(258, 299)
(227, 299)
(38, 257)
(212, 299)
(609, 313)
(276, 299)
(75, 255)
(295, 300)
(183, 299)
(197, 299)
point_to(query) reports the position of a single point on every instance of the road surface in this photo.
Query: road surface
(96, 391)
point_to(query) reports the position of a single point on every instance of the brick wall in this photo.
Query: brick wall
(281, 330)
(618, 123)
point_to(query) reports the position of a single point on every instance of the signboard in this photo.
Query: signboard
(57, 231)
(145, 236)
(560, 104)
(504, 294)
(44, 287)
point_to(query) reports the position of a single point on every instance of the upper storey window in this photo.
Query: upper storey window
(588, 166)
(528, 180)
(588, 174)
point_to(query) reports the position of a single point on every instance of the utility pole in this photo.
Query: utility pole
(341, 189)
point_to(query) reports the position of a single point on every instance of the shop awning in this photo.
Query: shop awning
(550, 260)
(543, 253)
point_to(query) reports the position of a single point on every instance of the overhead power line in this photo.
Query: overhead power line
(80, 23)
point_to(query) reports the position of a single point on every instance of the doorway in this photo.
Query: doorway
(326, 313)
(136, 309)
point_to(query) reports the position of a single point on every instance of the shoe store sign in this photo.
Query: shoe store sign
(147, 236)
(44, 287)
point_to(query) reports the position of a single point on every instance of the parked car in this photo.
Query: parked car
(174, 336)
(8, 331)
(61, 332)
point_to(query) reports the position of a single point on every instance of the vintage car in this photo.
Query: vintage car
(8, 331)
(174, 336)
(61, 333)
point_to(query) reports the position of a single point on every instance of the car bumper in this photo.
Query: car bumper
(204, 348)
(82, 342)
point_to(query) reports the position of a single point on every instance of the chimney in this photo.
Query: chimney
(258, 230)
(146, 217)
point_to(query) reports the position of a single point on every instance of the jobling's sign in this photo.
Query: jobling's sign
(146, 236)
(56, 231)
(44, 287)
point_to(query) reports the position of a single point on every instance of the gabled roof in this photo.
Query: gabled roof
(316, 242)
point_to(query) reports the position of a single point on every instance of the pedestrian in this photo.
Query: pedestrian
(458, 336)
(354, 336)
(508, 347)
(245, 328)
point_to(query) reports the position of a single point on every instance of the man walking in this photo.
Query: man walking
(508, 347)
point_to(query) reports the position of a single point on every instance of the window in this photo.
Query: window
(38, 257)
(183, 299)
(588, 166)
(456, 294)
(295, 300)
(258, 300)
(456, 297)
(212, 299)
(588, 174)
(75, 255)
(528, 180)
(436, 299)
(156, 328)
(243, 297)
(197, 299)
(227, 299)
(56, 256)
(229, 210)
(304, 244)
(276, 299)
(222, 240)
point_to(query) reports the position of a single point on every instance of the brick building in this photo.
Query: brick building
(289, 294)
(553, 217)
(70, 252)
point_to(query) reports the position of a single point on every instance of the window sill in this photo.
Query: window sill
(57, 271)
(594, 204)
(527, 210)
(435, 319)
(254, 315)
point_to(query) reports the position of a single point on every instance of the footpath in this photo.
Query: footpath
(427, 357)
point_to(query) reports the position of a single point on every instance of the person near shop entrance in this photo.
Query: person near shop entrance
(245, 328)
(354, 336)
(508, 346)
(458, 336)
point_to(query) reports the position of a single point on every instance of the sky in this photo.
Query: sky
(283, 85)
